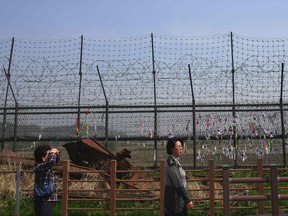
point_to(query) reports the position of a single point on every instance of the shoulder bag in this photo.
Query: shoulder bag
(44, 189)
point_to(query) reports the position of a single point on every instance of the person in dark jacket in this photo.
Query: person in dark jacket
(45, 159)
(176, 200)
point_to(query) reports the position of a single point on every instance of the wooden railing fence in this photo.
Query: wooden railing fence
(265, 183)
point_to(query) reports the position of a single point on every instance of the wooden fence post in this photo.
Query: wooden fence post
(226, 195)
(162, 185)
(274, 190)
(211, 188)
(66, 169)
(113, 188)
(260, 185)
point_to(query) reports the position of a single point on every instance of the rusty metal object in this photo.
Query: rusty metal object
(90, 153)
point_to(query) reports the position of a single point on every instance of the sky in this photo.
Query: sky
(60, 19)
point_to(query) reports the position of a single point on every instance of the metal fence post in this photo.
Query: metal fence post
(274, 190)
(79, 93)
(15, 126)
(282, 116)
(162, 185)
(194, 117)
(226, 195)
(6, 97)
(155, 132)
(107, 108)
(106, 123)
(235, 138)
(113, 188)
(66, 167)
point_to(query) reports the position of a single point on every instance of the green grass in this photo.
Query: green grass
(27, 209)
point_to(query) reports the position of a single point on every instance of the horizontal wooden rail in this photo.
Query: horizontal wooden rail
(273, 180)
(248, 180)
(249, 198)
(88, 209)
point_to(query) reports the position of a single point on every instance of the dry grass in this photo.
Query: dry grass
(7, 182)
(91, 185)
(197, 191)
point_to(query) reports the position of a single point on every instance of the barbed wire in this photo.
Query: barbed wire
(46, 74)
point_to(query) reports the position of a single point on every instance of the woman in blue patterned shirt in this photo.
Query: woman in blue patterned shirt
(45, 159)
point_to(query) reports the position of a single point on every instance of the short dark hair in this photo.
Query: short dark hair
(171, 144)
(41, 151)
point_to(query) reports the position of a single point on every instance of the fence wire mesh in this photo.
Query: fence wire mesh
(106, 89)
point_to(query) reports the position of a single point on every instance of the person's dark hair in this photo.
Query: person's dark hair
(171, 144)
(40, 152)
